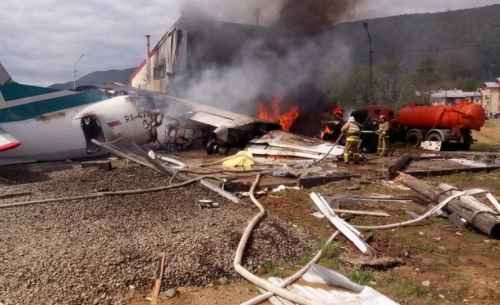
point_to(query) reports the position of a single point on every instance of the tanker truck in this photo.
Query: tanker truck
(451, 125)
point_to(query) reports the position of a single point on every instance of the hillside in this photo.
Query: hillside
(467, 42)
(99, 78)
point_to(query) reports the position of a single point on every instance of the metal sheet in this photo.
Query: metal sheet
(368, 296)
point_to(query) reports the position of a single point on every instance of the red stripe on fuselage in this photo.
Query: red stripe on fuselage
(10, 145)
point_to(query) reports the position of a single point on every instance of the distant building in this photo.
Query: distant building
(446, 97)
(190, 47)
(490, 93)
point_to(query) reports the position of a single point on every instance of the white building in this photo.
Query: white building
(190, 47)
(446, 97)
(490, 93)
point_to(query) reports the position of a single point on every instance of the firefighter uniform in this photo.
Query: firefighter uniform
(352, 131)
(383, 137)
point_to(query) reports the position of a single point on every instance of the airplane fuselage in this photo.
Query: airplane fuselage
(59, 125)
(53, 136)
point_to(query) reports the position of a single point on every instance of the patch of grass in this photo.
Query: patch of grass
(362, 277)
(331, 263)
(331, 251)
(304, 260)
(406, 288)
(270, 268)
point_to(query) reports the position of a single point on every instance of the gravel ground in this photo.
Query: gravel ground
(92, 251)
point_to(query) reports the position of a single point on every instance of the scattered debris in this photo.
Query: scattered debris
(208, 204)
(169, 293)
(356, 200)
(350, 232)
(476, 213)
(283, 188)
(376, 263)
(282, 144)
(431, 145)
(312, 181)
(367, 296)
(243, 160)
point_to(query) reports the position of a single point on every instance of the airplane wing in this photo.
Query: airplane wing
(197, 112)
(214, 116)
(7, 141)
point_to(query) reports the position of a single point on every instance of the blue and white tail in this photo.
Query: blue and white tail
(4, 75)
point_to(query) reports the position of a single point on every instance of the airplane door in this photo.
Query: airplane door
(92, 130)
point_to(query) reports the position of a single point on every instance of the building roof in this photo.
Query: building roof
(492, 84)
(454, 94)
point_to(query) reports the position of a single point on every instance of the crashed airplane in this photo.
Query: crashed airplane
(43, 124)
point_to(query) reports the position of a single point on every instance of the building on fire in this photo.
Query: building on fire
(191, 46)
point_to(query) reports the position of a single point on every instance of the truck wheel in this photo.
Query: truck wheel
(468, 140)
(212, 147)
(434, 137)
(414, 137)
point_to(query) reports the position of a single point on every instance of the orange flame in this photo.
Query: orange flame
(274, 114)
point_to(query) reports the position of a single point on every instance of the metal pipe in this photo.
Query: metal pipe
(262, 283)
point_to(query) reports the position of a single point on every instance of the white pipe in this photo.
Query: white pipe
(292, 279)
(428, 214)
(262, 283)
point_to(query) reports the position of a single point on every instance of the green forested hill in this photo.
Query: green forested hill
(451, 49)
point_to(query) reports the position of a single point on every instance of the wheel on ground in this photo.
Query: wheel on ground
(434, 137)
(414, 138)
(212, 147)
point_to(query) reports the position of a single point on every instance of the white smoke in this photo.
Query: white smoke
(256, 75)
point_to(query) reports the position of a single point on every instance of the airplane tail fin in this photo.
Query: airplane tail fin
(4, 75)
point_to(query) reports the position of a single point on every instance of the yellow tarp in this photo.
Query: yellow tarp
(242, 160)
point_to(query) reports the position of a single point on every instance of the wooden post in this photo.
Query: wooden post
(158, 279)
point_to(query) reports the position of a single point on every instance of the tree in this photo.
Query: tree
(427, 78)
(388, 82)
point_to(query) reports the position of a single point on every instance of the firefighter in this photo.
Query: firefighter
(383, 135)
(352, 131)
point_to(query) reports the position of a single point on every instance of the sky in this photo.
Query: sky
(40, 40)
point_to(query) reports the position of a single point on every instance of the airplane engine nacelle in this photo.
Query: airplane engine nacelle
(117, 118)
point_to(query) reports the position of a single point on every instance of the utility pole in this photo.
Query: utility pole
(75, 72)
(370, 52)
(148, 60)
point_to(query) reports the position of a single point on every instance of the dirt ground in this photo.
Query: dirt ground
(105, 251)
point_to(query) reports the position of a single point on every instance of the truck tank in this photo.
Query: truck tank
(462, 115)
